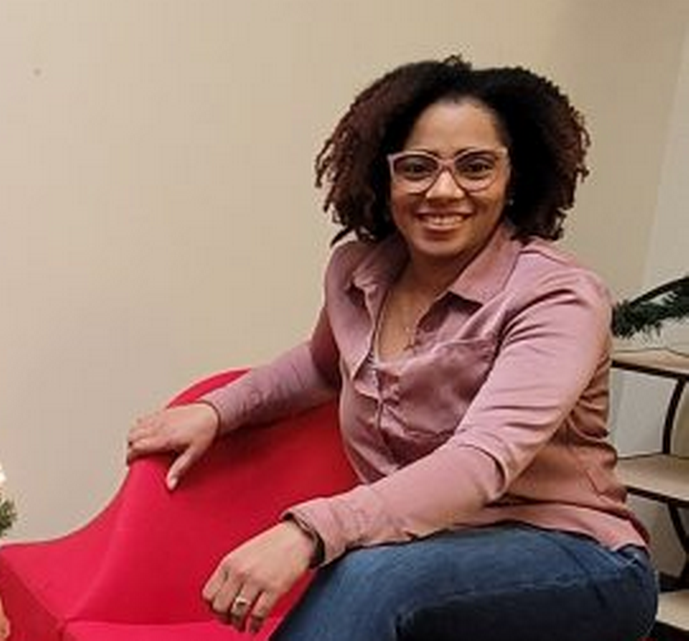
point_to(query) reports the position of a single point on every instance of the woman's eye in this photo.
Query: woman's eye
(476, 166)
(415, 167)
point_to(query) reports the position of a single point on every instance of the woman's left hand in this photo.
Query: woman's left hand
(249, 580)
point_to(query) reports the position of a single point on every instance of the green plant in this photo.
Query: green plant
(647, 313)
(8, 512)
(8, 515)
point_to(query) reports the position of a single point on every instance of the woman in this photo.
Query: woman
(470, 357)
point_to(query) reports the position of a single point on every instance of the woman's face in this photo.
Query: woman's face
(440, 220)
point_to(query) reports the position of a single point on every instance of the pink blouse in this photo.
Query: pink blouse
(497, 412)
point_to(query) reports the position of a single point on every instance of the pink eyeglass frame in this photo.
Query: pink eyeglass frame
(444, 164)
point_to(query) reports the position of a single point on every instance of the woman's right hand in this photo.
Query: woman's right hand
(187, 430)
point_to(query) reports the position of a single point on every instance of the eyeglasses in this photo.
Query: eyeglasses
(472, 169)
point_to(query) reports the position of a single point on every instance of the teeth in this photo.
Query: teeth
(443, 221)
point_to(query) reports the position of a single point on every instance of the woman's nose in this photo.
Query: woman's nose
(445, 186)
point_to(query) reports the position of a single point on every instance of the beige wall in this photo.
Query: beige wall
(158, 216)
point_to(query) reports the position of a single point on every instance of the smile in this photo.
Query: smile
(442, 221)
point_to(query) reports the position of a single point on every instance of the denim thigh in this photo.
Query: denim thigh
(500, 583)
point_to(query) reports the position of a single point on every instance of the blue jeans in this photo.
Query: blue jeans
(500, 583)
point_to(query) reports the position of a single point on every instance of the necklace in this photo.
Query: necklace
(409, 319)
(402, 313)
(404, 307)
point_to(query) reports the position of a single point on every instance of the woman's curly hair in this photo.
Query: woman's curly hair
(545, 135)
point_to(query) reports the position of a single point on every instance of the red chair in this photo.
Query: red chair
(136, 571)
